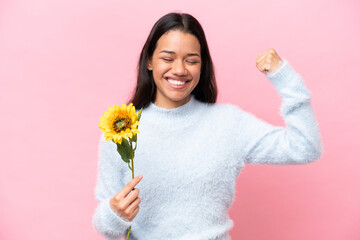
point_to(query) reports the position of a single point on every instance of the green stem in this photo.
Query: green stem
(132, 159)
(127, 237)
(132, 170)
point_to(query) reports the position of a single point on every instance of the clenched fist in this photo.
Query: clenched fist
(268, 61)
(126, 202)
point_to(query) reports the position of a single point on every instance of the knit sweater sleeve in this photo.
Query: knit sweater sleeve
(105, 220)
(299, 141)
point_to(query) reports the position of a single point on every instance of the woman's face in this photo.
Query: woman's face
(176, 68)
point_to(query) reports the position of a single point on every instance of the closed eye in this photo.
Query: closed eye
(170, 60)
(167, 59)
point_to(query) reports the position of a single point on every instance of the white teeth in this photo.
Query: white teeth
(175, 82)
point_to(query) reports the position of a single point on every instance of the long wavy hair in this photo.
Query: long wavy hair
(145, 90)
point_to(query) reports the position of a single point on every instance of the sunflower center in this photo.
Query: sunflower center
(121, 123)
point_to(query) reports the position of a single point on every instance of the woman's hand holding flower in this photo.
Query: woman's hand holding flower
(126, 202)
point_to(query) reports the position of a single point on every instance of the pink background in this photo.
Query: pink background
(62, 62)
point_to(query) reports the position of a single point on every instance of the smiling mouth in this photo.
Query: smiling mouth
(176, 81)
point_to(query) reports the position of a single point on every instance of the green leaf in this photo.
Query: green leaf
(126, 145)
(139, 114)
(124, 150)
(134, 138)
(122, 153)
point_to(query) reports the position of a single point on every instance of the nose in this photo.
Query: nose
(179, 68)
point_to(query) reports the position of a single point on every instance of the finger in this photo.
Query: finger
(129, 199)
(266, 68)
(135, 213)
(136, 210)
(265, 59)
(263, 54)
(132, 196)
(134, 204)
(262, 65)
(261, 57)
(128, 187)
(270, 52)
(273, 52)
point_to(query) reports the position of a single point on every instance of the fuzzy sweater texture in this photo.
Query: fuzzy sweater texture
(191, 156)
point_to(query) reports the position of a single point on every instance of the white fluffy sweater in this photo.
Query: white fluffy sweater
(190, 157)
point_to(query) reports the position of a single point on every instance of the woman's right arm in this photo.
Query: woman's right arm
(110, 172)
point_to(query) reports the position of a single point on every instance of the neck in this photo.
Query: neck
(169, 104)
(179, 116)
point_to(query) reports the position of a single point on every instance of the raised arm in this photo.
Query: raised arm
(299, 141)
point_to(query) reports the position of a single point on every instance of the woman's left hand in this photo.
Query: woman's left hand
(268, 61)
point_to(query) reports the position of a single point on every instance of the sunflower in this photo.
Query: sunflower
(119, 122)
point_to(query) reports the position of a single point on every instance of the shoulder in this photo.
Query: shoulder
(222, 108)
(222, 111)
(230, 115)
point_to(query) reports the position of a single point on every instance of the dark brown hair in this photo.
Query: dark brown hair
(145, 90)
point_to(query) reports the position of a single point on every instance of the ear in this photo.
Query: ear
(149, 65)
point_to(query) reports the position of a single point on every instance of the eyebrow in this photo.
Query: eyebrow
(171, 52)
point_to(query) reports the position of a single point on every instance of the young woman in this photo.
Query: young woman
(191, 149)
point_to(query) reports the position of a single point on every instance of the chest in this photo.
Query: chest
(194, 159)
